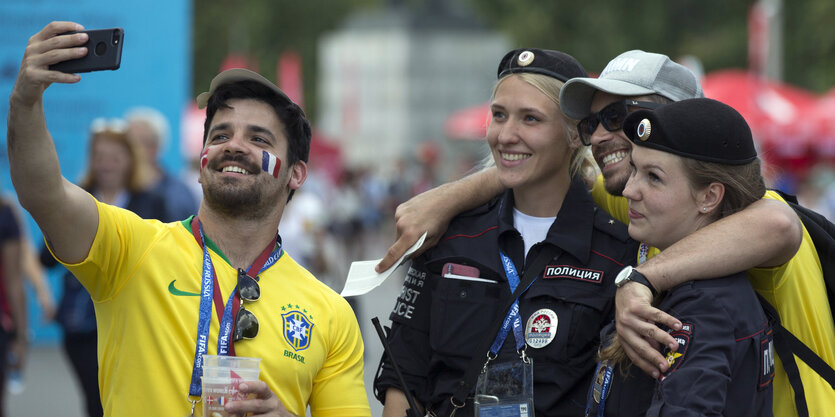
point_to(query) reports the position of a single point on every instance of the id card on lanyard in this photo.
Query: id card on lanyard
(209, 295)
(599, 392)
(506, 388)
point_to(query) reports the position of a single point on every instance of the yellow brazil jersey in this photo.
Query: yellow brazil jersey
(144, 278)
(796, 289)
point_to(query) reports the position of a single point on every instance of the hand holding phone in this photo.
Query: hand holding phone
(104, 52)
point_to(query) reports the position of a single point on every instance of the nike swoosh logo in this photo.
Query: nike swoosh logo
(173, 290)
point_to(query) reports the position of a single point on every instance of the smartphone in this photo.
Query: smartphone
(464, 272)
(104, 52)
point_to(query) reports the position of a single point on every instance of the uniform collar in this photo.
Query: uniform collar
(573, 229)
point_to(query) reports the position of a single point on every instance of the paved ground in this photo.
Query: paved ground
(51, 389)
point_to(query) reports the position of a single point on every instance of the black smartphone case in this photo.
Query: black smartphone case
(104, 52)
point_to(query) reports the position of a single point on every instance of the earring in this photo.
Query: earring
(704, 208)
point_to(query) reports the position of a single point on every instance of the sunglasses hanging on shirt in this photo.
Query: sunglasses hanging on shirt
(246, 324)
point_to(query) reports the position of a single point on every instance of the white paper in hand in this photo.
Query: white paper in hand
(362, 278)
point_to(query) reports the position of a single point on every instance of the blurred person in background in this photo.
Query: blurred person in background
(116, 174)
(373, 189)
(150, 130)
(14, 339)
(399, 189)
(32, 271)
(307, 217)
(817, 190)
(346, 213)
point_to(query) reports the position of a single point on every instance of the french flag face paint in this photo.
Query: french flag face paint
(204, 159)
(270, 164)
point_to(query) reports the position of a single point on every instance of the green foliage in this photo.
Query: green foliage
(716, 32)
(594, 31)
(262, 30)
(809, 44)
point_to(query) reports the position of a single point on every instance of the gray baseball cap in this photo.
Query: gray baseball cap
(632, 73)
(235, 75)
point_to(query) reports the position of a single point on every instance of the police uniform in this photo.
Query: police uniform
(724, 363)
(438, 322)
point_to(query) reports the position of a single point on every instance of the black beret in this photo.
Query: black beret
(554, 64)
(698, 128)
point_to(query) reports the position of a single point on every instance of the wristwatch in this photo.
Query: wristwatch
(631, 274)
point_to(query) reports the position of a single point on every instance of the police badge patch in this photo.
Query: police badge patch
(674, 359)
(297, 329)
(541, 328)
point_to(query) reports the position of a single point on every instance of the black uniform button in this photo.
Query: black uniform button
(463, 294)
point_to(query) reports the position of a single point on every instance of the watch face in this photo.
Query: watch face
(623, 276)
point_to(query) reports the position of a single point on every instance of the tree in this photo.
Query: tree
(262, 30)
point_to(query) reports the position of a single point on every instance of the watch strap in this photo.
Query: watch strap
(642, 279)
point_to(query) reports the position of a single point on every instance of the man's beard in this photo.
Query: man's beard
(614, 185)
(227, 197)
(613, 182)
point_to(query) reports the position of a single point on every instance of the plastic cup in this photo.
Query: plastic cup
(231, 373)
(220, 383)
(216, 361)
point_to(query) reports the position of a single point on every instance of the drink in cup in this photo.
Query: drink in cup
(222, 376)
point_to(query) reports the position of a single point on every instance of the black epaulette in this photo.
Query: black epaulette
(484, 208)
(610, 225)
(474, 219)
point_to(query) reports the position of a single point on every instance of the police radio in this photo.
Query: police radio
(412, 411)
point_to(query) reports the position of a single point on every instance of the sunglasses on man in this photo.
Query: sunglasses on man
(246, 325)
(611, 117)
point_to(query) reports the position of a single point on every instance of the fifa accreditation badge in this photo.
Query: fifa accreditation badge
(541, 328)
(602, 381)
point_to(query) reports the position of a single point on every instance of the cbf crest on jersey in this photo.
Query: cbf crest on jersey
(297, 329)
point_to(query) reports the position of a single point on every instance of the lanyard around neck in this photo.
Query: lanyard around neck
(603, 376)
(210, 294)
(643, 252)
(512, 319)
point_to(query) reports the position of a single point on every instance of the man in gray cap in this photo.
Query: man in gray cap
(764, 238)
(168, 293)
(634, 80)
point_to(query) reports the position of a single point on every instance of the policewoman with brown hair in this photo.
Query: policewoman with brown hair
(694, 162)
(503, 315)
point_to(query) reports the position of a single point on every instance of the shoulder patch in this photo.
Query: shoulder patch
(766, 359)
(684, 337)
